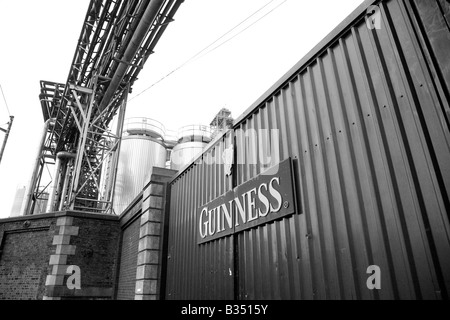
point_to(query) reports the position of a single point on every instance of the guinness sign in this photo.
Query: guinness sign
(265, 198)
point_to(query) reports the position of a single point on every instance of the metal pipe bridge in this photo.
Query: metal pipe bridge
(116, 40)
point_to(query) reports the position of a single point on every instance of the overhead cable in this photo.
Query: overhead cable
(199, 54)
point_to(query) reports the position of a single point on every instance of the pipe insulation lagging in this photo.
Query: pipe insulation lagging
(144, 26)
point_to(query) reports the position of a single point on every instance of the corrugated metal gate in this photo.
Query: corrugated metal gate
(205, 271)
(365, 116)
(128, 261)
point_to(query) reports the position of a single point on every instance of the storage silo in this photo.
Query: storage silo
(191, 141)
(141, 149)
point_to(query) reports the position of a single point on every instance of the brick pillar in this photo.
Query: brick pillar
(58, 261)
(148, 273)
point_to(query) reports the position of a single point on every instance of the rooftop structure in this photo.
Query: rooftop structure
(221, 122)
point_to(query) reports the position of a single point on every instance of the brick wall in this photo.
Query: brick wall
(25, 247)
(35, 252)
(89, 242)
(151, 255)
(96, 245)
(114, 254)
(141, 256)
(128, 261)
(22, 271)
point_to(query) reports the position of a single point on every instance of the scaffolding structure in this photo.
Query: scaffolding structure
(221, 122)
(116, 40)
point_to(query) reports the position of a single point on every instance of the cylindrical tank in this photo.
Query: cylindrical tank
(191, 141)
(141, 149)
(144, 127)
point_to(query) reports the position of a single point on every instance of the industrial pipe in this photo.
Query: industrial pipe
(27, 200)
(138, 37)
(64, 188)
(54, 186)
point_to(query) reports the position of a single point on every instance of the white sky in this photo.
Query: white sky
(38, 41)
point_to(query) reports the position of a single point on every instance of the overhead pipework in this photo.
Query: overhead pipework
(62, 169)
(116, 40)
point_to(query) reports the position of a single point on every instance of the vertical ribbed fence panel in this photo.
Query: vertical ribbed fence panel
(365, 120)
(198, 271)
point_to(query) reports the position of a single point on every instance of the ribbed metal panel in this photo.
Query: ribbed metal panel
(365, 117)
(200, 272)
(138, 154)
